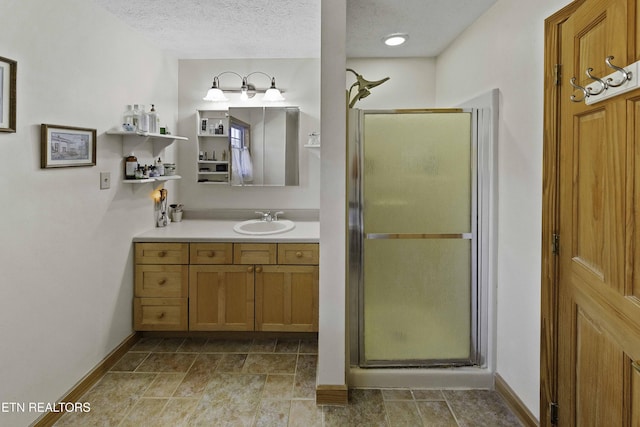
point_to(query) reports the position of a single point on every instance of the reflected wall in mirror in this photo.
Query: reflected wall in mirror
(264, 145)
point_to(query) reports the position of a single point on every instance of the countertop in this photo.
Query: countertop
(213, 230)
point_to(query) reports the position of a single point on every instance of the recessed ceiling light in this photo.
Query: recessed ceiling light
(395, 39)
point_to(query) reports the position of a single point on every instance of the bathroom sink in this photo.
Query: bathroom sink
(258, 226)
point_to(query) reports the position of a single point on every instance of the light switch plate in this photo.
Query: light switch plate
(105, 180)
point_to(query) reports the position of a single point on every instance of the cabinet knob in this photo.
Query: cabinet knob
(258, 269)
(250, 269)
(211, 254)
(162, 282)
(299, 254)
(161, 315)
(162, 254)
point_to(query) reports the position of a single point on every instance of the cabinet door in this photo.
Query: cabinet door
(221, 298)
(287, 298)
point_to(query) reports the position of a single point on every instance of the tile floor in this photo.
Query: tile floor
(199, 382)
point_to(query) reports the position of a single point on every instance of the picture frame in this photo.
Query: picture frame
(8, 76)
(67, 146)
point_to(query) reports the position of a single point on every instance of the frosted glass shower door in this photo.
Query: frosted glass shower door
(418, 249)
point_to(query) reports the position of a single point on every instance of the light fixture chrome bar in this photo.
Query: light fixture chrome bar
(247, 90)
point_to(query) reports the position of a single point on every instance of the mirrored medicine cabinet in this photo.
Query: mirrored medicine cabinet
(261, 142)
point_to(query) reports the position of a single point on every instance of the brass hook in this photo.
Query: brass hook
(603, 84)
(584, 91)
(626, 75)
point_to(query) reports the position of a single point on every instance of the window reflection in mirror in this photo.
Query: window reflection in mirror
(264, 145)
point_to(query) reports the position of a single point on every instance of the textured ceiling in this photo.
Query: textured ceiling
(431, 24)
(215, 29)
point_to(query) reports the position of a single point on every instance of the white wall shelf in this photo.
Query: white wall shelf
(131, 140)
(208, 135)
(154, 179)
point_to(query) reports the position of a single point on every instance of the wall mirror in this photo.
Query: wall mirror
(264, 145)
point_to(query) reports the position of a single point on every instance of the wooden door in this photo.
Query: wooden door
(287, 298)
(592, 205)
(221, 298)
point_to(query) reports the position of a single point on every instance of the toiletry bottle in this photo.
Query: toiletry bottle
(154, 120)
(160, 167)
(220, 128)
(130, 166)
(127, 119)
(143, 119)
(201, 156)
(135, 117)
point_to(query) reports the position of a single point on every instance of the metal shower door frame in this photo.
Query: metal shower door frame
(356, 238)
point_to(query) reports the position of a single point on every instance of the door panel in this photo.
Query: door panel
(417, 299)
(599, 375)
(417, 173)
(588, 233)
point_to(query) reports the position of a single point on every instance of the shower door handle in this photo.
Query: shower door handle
(465, 236)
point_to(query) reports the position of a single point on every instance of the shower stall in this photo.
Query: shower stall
(417, 268)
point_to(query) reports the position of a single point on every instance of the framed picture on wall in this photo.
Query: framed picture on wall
(8, 74)
(66, 146)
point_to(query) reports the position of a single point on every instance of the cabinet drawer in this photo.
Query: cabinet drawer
(298, 253)
(211, 253)
(163, 281)
(160, 314)
(162, 253)
(254, 253)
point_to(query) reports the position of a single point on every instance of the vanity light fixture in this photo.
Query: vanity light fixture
(247, 90)
(215, 94)
(395, 39)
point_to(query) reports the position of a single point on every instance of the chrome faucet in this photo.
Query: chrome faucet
(268, 217)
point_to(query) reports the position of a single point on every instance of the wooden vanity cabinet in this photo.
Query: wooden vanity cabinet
(161, 292)
(227, 287)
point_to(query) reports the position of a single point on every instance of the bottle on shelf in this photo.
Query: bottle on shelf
(140, 118)
(130, 166)
(220, 128)
(136, 117)
(127, 119)
(154, 120)
(159, 167)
